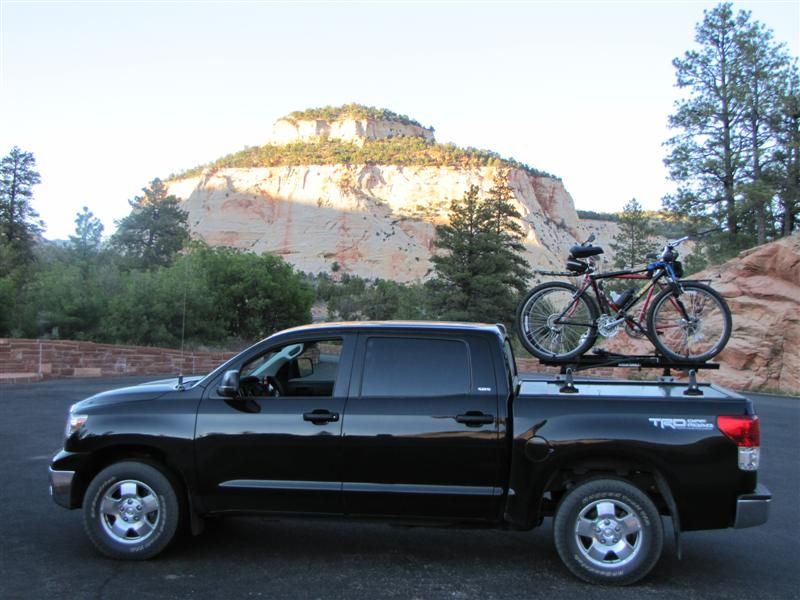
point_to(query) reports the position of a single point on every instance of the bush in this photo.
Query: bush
(355, 111)
(404, 151)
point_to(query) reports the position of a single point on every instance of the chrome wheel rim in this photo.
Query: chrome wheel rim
(130, 511)
(608, 533)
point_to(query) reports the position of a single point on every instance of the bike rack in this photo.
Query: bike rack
(604, 358)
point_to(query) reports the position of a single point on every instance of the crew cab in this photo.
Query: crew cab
(413, 422)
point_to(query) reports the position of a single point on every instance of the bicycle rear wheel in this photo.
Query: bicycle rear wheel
(693, 325)
(554, 322)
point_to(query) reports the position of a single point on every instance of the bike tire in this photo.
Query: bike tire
(547, 340)
(698, 340)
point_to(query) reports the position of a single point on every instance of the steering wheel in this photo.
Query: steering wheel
(273, 386)
(250, 386)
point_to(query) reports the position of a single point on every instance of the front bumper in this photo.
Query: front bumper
(61, 487)
(753, 509)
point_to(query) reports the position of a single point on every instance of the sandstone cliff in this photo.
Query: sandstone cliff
(356, 131)
(373, 219)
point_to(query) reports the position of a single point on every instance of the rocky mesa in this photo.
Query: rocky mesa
(362, 189)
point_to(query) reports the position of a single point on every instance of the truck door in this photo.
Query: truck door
(277, 447)
(420, 434)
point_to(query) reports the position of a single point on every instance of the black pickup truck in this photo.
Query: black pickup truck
(413, 423)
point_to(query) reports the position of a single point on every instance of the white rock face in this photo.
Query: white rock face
(373, 220)
(356, 131)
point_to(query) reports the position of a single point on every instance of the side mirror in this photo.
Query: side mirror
(305, 367)
(229, 388)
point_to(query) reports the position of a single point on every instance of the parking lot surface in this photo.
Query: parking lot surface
(45, 553)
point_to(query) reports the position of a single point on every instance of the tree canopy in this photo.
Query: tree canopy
(20, 224)
(632, 243)
(481, 271)
(155, 230)
(733, 128)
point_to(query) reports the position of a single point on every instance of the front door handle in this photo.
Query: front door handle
(321, 416)
(475, 418)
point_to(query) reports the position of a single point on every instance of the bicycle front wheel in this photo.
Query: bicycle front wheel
(553, 321)
(692, 326)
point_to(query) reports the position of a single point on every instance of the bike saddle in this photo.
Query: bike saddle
(585, 251)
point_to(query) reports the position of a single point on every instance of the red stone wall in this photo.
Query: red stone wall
(26, 360)
(30, 360)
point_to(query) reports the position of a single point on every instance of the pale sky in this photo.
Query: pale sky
(109, 95)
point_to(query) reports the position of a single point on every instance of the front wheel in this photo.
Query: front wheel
(608, 531)
(553, 321)
(130, 511)
(693, 325)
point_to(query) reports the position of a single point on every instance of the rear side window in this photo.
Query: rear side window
(415, 367)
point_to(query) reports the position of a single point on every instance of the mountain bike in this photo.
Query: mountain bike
(684, 320)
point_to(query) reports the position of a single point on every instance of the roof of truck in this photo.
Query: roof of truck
(403, 325)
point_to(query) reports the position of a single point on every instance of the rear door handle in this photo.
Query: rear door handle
(320, 416)
(475, 418)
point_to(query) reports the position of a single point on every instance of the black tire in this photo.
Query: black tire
(608, 531)
(697, 340)
(131, 511)
(543, 338)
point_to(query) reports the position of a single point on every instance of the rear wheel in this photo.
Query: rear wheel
(608, 531)
(694, 325)
(554, 322)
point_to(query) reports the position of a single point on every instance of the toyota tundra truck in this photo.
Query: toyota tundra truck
(416, 423)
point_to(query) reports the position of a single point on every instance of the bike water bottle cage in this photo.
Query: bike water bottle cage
(577, 266)
(622, 300)
(585, 251)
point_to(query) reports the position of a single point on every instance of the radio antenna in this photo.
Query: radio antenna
(183, 318)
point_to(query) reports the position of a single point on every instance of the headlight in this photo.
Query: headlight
(74, 423)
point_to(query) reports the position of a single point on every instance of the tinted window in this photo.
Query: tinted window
(415, 367)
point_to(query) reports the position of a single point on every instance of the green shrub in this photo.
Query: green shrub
(354, 111)
(404, 151)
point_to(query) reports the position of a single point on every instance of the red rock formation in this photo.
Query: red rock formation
(762, 288)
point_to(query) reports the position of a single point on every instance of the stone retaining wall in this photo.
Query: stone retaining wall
(29, 360)
(24, 360)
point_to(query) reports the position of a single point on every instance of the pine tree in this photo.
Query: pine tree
(785, 126)
(726, 155)
(88, 232)
(765, 66)
(706, 156)
(19, 222)
(155, 230)
(632, 242)
(85, 244)
(481, 271)
(505, 225)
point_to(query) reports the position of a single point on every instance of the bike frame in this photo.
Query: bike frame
(660, 268)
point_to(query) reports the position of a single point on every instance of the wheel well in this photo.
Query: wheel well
(104, 458)
(642, 475)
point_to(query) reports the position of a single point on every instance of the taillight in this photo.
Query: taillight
(746, 432)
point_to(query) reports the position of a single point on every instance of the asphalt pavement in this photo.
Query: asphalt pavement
(45, 553)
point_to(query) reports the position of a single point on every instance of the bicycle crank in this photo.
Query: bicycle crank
(608, 326)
